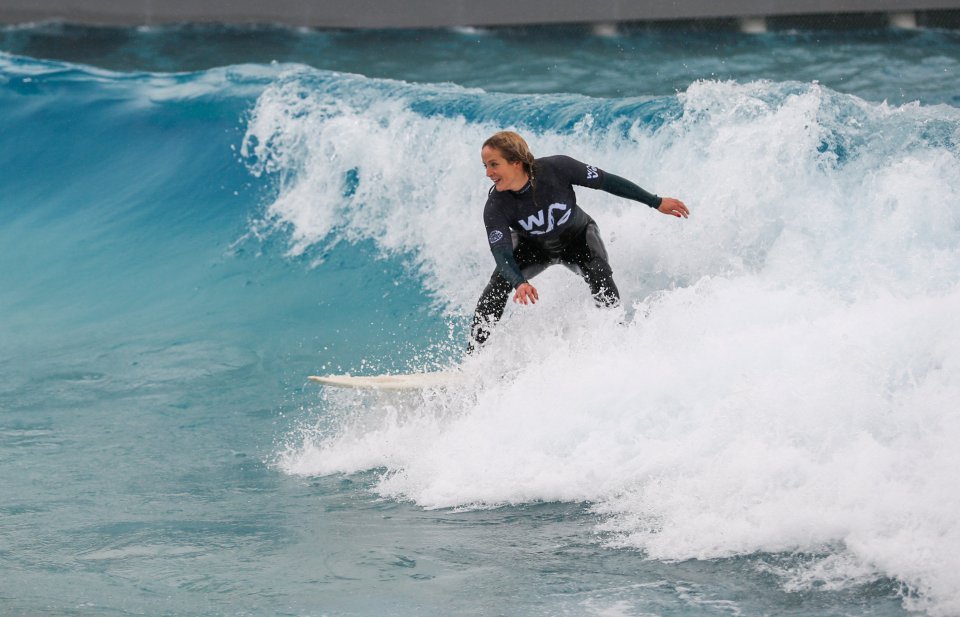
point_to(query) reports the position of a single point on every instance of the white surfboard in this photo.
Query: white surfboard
(411, 381)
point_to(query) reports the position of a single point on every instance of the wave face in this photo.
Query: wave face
(786, 377)
(781, 381)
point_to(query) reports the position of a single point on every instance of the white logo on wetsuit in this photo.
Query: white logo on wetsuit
(537, 220)
(495, 236)
(592, 172)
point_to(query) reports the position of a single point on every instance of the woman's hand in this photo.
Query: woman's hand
(526, 294)
(674, 207)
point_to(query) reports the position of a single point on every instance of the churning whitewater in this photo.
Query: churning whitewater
(787, 376)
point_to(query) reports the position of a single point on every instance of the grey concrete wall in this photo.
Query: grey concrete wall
(432, 13)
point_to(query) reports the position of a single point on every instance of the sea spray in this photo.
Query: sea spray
(782, 379)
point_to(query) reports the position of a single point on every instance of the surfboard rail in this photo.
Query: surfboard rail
(408, 381)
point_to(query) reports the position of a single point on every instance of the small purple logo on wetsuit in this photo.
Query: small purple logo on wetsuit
(495, 236)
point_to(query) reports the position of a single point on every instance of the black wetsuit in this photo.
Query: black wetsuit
(541, 225)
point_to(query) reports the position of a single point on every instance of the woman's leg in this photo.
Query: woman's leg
(590, 256)
(493, 300)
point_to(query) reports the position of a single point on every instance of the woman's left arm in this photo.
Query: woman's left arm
(621, 187)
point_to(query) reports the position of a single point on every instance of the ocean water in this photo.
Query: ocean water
(192, 220)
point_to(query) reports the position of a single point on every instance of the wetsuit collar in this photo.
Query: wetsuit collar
(526, 187)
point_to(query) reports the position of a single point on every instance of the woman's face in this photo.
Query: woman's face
(505, 176)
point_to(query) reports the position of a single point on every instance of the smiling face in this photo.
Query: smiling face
(506, 176)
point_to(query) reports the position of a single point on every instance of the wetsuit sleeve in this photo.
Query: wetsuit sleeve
(621, 187)
(592, 177)
(509, 269)
(575, 172)
(501, 244)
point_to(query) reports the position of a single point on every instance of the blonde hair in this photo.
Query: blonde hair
(513, 148)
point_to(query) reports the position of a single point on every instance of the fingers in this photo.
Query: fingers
(679, 209)
(526, 294)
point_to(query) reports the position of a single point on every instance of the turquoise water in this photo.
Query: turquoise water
(195, 219)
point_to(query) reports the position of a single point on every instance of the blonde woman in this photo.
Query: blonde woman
(533, 221)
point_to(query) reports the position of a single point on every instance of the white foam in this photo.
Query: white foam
(789, 378)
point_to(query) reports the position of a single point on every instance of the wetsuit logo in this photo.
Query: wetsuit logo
(592, 172)
(536, 220)
(495, 236)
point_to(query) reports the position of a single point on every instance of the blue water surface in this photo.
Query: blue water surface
(156, 330)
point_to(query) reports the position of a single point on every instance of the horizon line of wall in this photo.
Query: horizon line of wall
(604, 16)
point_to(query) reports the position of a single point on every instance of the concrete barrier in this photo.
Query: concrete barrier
(752, 14)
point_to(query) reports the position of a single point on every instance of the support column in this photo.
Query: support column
(906, 20)
(753, 25)
(607, 28)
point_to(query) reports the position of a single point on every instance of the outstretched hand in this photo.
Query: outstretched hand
(526, 294)
(674, 207)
